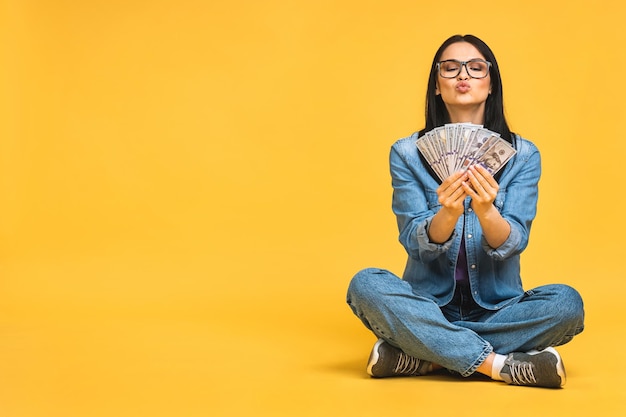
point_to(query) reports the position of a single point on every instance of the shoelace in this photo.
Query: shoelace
(522, 373)
(407, 365)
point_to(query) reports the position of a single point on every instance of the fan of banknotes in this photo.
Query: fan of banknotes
(456, 146)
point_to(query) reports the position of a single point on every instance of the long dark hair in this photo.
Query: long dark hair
(436, 112)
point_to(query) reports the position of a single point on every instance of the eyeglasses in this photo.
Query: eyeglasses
(476, 68)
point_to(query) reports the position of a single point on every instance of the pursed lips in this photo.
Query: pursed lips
(463, 87)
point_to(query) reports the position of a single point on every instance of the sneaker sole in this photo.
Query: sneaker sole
(373, 359)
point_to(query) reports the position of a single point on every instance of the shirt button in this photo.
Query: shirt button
(473, 266)
(469, 236)
(469, 209)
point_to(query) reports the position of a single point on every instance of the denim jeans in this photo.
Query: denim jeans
(460, 335)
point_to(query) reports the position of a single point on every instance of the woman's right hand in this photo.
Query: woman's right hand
(451, 194)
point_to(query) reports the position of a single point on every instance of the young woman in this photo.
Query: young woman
(460, 304)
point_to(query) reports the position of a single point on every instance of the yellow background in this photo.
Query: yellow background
(187, 187)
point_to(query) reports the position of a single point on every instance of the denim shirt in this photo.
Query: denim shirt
(494, 273)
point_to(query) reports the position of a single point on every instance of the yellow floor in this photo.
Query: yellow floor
(273, 354)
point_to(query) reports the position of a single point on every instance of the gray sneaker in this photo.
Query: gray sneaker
(535, 369)
(386, 360)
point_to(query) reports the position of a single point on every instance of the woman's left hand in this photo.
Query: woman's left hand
(482, 188)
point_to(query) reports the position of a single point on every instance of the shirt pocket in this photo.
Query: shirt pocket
(500, 200)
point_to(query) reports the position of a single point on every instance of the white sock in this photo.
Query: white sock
(496, 367)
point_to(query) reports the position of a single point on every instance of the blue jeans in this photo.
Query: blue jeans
(460, 335)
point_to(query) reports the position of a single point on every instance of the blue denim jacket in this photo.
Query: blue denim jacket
(494, 273)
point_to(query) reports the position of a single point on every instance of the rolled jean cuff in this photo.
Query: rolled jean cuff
(479, 361)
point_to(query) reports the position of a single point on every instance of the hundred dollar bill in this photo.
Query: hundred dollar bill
(456, 146)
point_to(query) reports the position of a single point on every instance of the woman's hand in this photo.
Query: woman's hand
(482, 188)
(451, 195)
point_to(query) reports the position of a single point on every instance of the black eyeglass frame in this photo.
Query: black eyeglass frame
(464, 64)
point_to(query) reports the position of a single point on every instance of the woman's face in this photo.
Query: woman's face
(463, 93)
